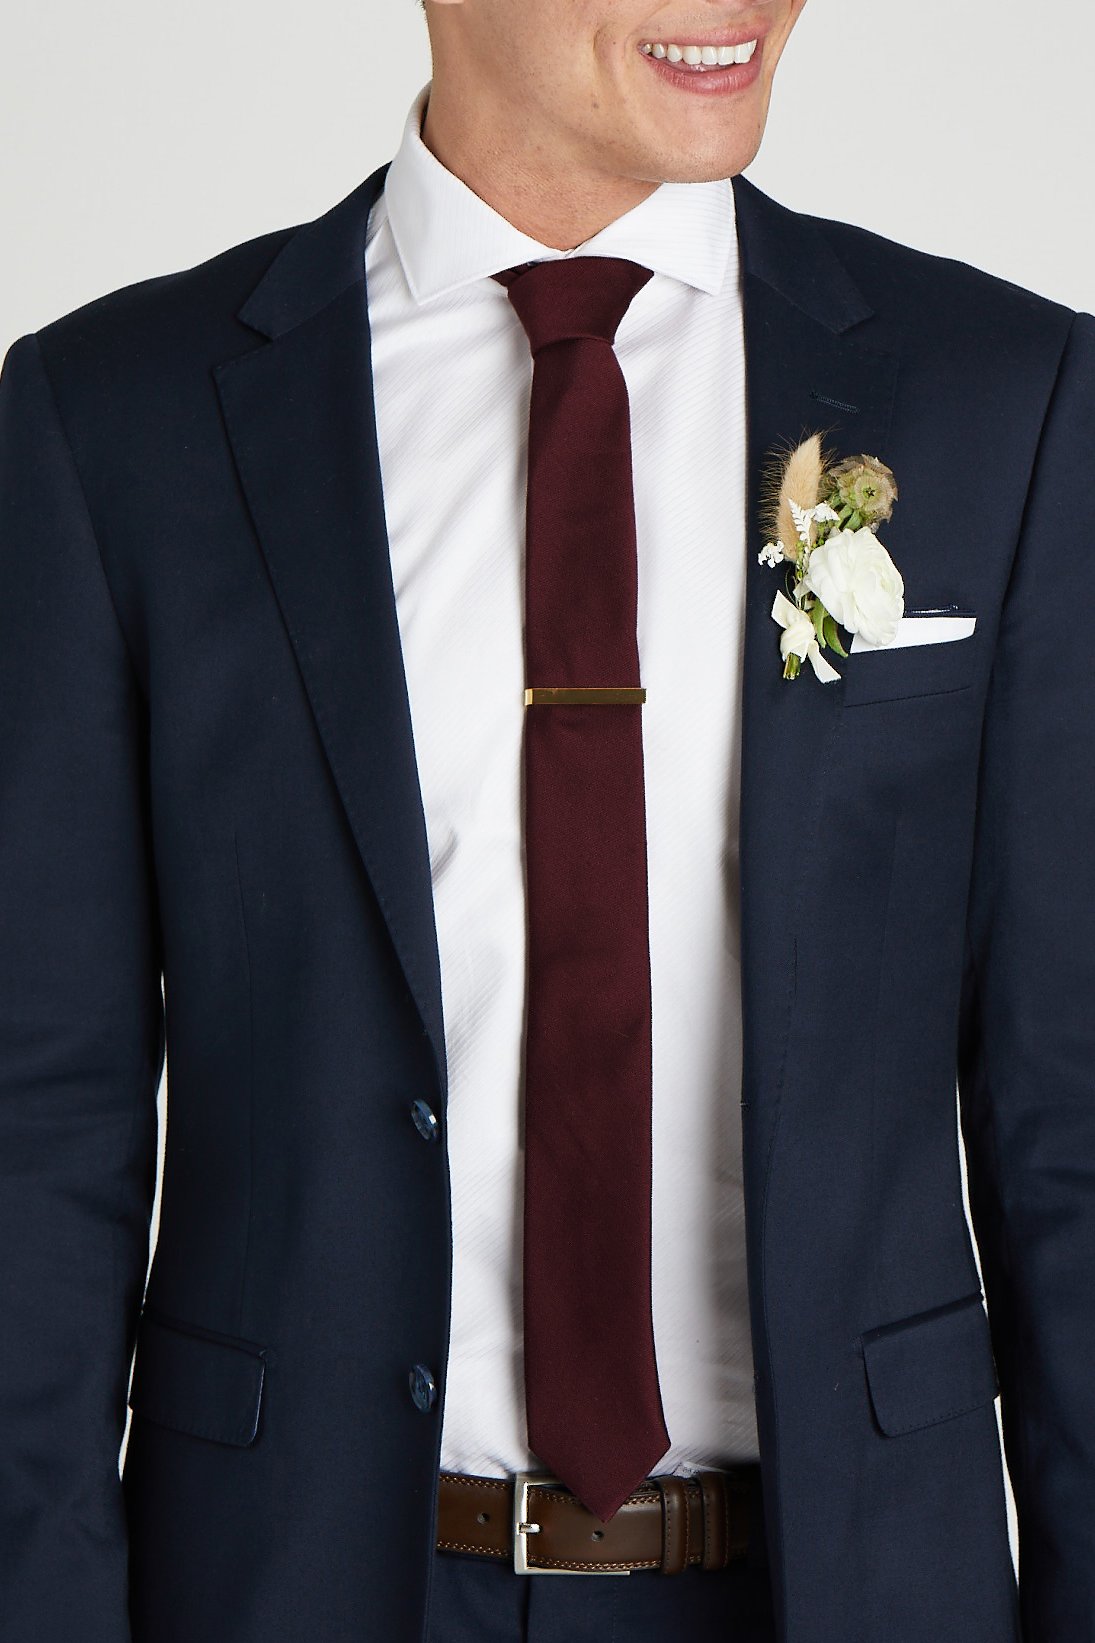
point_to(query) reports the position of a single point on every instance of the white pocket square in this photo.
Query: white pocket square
(922, 628)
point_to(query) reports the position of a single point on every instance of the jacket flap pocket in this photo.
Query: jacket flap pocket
(207, 1386)
(924, 1369)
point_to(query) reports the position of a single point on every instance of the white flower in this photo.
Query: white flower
(771, 553)
(859, 584)
(798, 635)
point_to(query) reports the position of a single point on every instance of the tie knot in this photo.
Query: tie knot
(566, 297)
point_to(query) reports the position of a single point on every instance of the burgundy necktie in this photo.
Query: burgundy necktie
(591, 1381)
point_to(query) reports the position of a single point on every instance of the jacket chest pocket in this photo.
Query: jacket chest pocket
(894, 674)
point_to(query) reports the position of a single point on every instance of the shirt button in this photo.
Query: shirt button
(423, 1387)
(425, 1121)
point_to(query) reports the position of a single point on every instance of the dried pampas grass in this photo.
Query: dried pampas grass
(796, 477)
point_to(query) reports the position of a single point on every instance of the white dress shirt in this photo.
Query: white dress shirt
(452, 372)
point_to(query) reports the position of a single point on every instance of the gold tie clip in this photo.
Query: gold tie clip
(598, 695)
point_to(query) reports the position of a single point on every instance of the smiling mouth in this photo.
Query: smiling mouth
(697, 57)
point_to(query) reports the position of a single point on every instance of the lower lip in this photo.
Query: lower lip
(707, 82)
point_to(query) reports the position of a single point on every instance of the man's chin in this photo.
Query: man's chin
(685, 167)
(693, 155)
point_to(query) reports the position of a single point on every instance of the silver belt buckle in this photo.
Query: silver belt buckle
(524, 1526)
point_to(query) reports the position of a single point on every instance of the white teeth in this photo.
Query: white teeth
(700, 57)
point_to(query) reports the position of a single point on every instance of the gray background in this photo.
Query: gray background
(139, 139)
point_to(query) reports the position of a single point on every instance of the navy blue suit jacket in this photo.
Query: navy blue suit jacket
(207, 772)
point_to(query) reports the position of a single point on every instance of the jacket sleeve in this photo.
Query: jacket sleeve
(1027, 1021)
(81, 1037)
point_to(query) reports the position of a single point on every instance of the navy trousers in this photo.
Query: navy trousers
(476, 1600)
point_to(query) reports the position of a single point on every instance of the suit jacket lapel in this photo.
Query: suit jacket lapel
(300, 416)
(813, 364)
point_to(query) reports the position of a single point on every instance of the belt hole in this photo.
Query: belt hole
(598, 1534)
(482, 1517)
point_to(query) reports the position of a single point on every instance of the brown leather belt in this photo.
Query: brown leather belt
(670, 1523)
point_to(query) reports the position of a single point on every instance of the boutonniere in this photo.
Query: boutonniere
(822, 519)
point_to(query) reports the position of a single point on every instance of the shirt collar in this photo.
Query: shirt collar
(446, 236)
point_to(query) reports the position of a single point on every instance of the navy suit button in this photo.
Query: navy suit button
(425, 1120)
(423, 1387)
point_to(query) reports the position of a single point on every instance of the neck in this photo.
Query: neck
(536, 185)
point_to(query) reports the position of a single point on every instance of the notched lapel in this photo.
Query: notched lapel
(811, 366)
(300, 416)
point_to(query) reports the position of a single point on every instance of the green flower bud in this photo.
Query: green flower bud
(865, 485)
